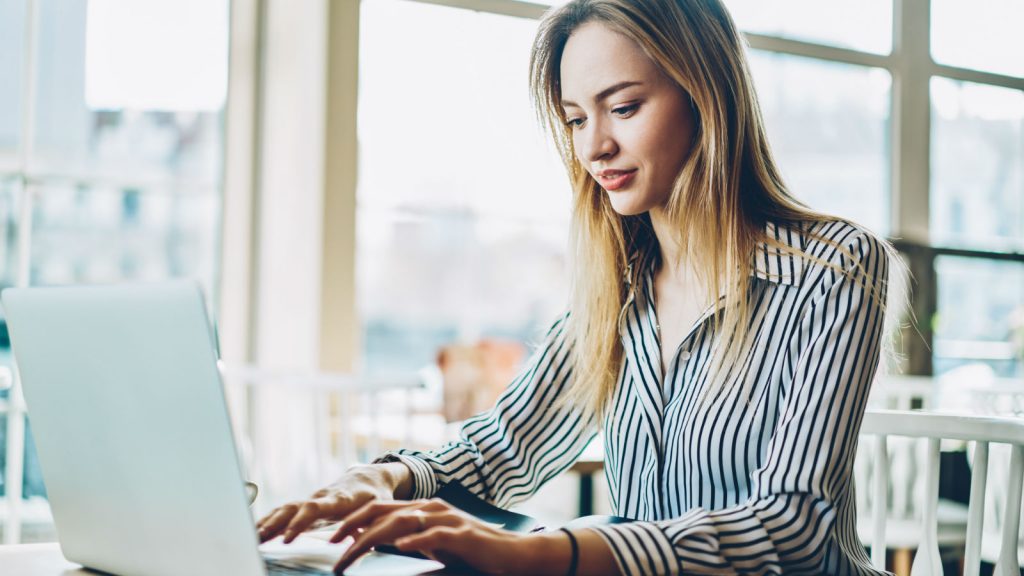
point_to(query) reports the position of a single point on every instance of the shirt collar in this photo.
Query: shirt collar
(776, 259)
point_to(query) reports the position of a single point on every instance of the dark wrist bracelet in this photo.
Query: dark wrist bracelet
(575, 553)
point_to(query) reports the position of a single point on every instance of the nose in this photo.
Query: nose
(595, 143)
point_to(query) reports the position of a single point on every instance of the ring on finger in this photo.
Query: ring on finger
(422, 517)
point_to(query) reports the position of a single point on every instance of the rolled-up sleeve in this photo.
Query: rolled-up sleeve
(787, 522)
(506, 454)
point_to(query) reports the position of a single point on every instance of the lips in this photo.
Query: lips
(615, 179)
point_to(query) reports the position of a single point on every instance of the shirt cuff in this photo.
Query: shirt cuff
(424, 482)
(640, 548)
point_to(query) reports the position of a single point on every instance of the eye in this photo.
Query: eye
(575, 122)
(626, 111)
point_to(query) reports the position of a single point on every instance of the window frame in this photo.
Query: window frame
(911, 67)
(28, 184)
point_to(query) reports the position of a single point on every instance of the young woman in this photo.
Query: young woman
(722, 336)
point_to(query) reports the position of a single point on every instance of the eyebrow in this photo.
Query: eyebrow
(603, 94)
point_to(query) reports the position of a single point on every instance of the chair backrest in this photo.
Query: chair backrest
(976, 389)
(905, 461)
(978, 430)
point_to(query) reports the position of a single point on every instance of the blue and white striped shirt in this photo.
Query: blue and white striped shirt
(757, 480)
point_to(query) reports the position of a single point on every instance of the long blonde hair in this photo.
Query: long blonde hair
(727, 191)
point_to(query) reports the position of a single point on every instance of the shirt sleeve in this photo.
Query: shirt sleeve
(507, 453)
(785, 525)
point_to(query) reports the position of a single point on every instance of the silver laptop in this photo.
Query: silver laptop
(133, 436)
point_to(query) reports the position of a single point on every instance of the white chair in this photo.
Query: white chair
(906, 463)
(975, 389)
(979, 432)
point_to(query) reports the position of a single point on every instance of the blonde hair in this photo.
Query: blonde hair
(727, 191)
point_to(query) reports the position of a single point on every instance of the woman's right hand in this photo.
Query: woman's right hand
(359, 485)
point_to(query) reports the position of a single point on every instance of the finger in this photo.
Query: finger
(430, 541)
(367, 514)
(386, 532)
(309, 512)
(390, 527)
(273, 524)
(269, 517)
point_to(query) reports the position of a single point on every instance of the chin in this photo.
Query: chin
(625, 206)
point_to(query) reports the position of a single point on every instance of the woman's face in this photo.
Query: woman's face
(631, 126)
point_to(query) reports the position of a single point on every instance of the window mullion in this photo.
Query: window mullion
(517, 8)
(911, 134)
(978, 76)
(911, 167)
(782, 45)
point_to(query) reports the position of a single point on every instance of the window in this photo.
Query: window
(976, 218)
(981, 314)
(106, 233)
(12, 41)
(979, 35)
(828, 124)
(119, 184)
(836, 94)
(855, 24)
(977, 198)
(462, 205)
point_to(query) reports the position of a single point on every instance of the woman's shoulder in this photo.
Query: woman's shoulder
(835, 242)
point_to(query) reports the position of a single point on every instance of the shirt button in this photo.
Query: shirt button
(684, 355)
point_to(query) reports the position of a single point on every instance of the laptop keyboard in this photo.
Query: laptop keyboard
(285, 568)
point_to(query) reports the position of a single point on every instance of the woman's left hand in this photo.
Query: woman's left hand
(437, 530)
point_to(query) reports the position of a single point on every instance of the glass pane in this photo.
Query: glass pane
(501, 278)
(9, 163)
(463, 206)
(864, 25)
(12, 55)
(828, 124)
(473, 146)
(977, 174)
(108, 234)
(984, 35)
(980, 314)
(134, 139)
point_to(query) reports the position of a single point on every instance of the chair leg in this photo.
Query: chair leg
(902, 560)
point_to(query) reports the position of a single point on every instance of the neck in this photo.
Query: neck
(674, 263)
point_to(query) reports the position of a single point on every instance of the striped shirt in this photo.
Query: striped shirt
(755, 480)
